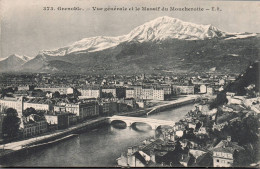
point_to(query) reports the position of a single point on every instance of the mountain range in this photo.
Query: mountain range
(13, 62)
(162, 45)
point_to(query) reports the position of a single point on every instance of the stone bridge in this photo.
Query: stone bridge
(172, 104)
(154, 123)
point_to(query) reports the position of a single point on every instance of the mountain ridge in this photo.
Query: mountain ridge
(164, 44)
(13, 62)
(159, 29)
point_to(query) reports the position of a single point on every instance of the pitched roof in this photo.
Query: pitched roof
(227, 146)
(140, 157)
(147, 149)
(185, 158)
(205, 160)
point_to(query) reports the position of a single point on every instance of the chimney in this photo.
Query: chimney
(229, 138)
(134, 149)
(152, 156)
(130, 150)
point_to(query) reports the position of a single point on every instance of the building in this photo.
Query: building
(120, 92)
(137, 92)
(111, 90)
(61, 90)
(203, 88)
(2, 116)
(36, 106)
(210, 90)
(158, 94)
(221, 82)
(70, 90)
(130, 93)
(130, 102)
(136, 158)
(20, 93)
(108, 108)
(59, 107)
(33, 125)
(141, 103)
(167, 90)
(83, 110)
(183, 89)
(90, 92)
(15, 103)
(117, 92)
(147, 93)
(132, 159)
(223, 153)
(21, 104)
(60, 121)
(185, 158)
(201, 130)
(24, 87)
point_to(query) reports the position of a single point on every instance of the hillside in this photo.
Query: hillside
(178, 56)
(251, 76)
(13, 62)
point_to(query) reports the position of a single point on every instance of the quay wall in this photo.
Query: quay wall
(53, 138)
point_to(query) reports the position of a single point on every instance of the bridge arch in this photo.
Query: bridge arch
(154, 123)
(128, 123)
(137, 122)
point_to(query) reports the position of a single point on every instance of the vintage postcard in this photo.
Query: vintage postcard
(129, 83)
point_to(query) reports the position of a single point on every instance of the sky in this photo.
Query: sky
(27, 29)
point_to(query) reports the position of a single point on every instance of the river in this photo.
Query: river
(96, 148)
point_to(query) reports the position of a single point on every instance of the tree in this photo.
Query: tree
(178, 147)
(198, 125)
(107, 95)
(241, 158)
(27, 112)
(5, 91)
(56, 94)
(76, 92)
(219, 101)
(38, 93)
(10, 124)
(248, 78)
(15, 89)
(31, 87)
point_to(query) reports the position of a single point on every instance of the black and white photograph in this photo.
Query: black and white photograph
(129, 83)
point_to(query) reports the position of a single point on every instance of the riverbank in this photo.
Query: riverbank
(10, 148)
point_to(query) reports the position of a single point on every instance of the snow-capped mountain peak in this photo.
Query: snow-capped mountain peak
(171, 28)
(23, 58)
(159, 29)
(13, 62)
(87, 44)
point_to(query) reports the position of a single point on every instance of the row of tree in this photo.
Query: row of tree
(10, 122)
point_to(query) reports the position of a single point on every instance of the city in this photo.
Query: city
(205, 136)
